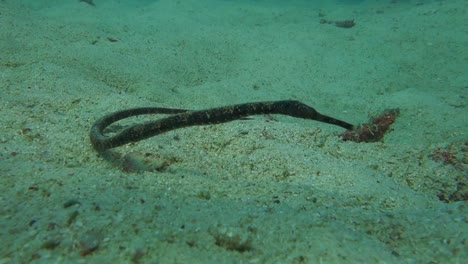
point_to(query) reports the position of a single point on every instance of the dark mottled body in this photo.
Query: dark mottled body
(185, 118)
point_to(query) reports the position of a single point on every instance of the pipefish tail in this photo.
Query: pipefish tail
(180, 118)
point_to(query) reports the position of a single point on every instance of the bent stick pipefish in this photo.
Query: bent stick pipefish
(181, 118)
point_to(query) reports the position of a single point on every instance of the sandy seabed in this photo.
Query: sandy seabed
(271, 189)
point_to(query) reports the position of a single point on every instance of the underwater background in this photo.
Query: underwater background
(270, 189)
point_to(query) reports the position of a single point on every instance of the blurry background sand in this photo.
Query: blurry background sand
(271, 189)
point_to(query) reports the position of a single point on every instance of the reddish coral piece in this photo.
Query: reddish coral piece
(446, 157)
(374, 131)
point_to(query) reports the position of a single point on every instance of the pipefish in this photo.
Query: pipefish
(180, 118)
